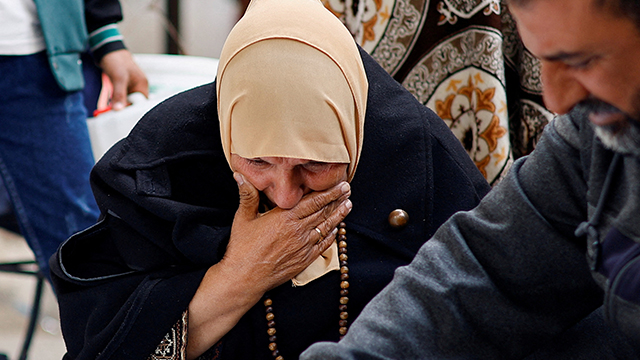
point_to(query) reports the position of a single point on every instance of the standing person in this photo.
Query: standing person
(45, 150)
(306, 128)
(558, 238)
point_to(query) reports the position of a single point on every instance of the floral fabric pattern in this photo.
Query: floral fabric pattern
(465, 61)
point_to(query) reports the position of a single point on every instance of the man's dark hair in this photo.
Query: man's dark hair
(628, 8)
(624, 8)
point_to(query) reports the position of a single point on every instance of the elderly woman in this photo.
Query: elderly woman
(307, 129)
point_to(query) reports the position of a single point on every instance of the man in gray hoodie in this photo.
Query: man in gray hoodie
(557, 240)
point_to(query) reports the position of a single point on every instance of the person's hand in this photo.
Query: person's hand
(264, 251)
(125, 75)
(268, 249)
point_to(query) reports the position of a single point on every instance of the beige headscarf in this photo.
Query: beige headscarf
(291, 83)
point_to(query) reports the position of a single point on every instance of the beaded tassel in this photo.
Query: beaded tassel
(271, 324)
(344, 297)
(344, 279)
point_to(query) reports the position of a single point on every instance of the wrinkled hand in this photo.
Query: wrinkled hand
(269, 249)
(125, 75)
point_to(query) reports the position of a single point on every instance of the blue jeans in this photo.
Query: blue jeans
(45, 155)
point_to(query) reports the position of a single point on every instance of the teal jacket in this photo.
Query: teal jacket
(66, 25)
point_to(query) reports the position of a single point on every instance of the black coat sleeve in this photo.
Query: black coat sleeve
(99, 13)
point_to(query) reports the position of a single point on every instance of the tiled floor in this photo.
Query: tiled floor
(16, 295)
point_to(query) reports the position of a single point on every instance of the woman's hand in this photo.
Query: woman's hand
(264, 251)
(268, 249)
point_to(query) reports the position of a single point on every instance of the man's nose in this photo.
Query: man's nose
(287, 193)
(561, 91)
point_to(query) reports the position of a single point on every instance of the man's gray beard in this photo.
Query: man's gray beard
(622, 137)
(624, 141)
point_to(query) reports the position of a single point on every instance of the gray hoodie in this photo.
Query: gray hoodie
(511, 277)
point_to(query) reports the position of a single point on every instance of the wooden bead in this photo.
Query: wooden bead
(344, 300)
(344, 277)
(279, 357)
(344, 292)
(270, 316)
(343, 331)
(342, 231)
(342, 225)
(343, 257)
(342, 307)
(344, 284)
(268, 302)
(344, 315)
(342, 250)
(273, 338)
(343, 322)
(271, 331)
(273, 346)
(271, 324)
(344, 270)
(342, 244)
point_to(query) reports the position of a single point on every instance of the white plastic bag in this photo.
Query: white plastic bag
(167, 75)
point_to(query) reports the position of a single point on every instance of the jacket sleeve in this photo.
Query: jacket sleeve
(166, 210)
(101, 17)
(494, 282)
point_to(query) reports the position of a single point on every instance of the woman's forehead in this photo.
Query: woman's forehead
(283, 160)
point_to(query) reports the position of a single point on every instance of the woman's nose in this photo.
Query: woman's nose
(560, 89)
(287, 193)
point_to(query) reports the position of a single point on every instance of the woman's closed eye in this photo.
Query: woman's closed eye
(257, 162)
(316, 167)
